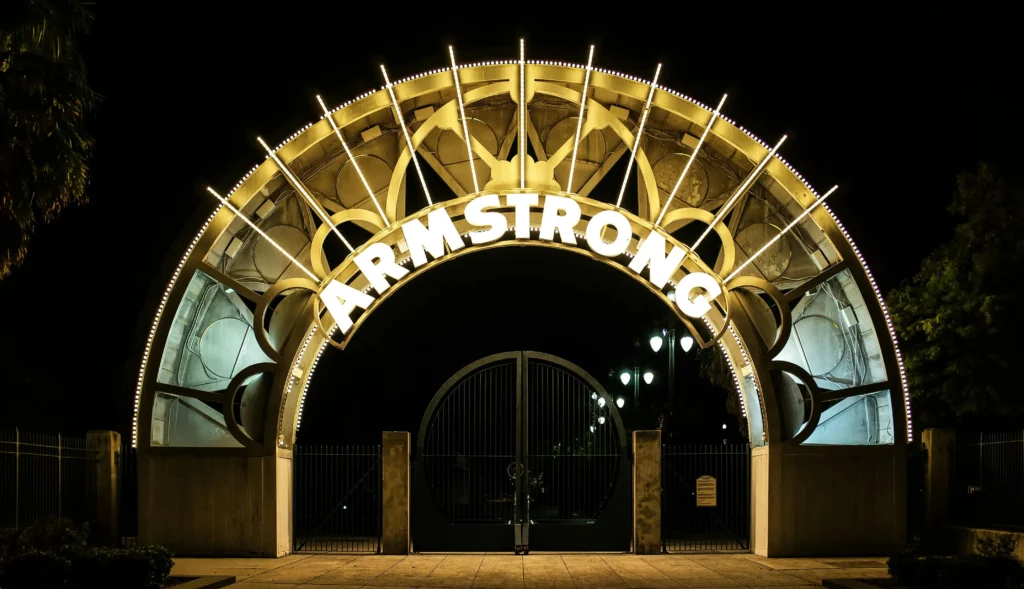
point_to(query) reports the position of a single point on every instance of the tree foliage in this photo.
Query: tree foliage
(959, 319)
(44, 100)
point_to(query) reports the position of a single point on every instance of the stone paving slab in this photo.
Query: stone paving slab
(535, 571)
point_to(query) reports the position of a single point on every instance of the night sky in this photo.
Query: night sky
(889, 106)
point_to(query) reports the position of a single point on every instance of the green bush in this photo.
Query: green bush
(34, 569)
(954, 572)
(54, 553)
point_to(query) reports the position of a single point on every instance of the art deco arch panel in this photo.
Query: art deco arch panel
(235, 341)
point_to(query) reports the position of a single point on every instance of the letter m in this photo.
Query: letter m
(423, 240)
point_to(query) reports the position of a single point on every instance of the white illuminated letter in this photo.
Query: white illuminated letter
(652, 253)
(522, 203)
(378, 261)
(623, 230)
(696, 305)
(422, 240)
(341, 299)
(565, 222)
(475, 215)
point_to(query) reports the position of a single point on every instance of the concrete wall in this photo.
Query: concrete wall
(828, 500)
(215, 505)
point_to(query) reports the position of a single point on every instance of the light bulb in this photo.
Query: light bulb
(723, 426)
(624, 377)
(648, 377)
(656, 342)
(600, 420)
(671, 295)
(592, 428)
(686, 342)
(593, 396)
(620, 402)
(601, 402)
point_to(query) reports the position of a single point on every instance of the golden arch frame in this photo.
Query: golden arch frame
(296, 361)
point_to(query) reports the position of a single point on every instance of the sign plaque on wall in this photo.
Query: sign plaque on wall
(707, 491)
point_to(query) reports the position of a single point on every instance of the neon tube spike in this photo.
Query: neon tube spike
(301, 188)
(739, 192)
(522, 113)
(639, 135)
(693, 156)
(465, 123)
(579, 123)
(405, 131)
(351, 158)
(259, 231)
(765, 247)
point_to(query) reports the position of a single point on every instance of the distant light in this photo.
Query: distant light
(656, 342)
(229, 290)
(601, 402)
(671, 295)
(592, 428)
(648, 377)
(723, 426)
(620, 402)
(601, 420)
(624, 377)
(686, 342)
(593, 396)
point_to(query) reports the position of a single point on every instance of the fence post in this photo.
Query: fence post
(395, 493)
(647, 492)
(939, 445)
(105, 447)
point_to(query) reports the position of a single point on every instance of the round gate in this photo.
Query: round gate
(521, 450)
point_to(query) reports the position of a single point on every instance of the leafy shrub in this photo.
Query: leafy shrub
(954, 572)
(54, 553)
(132, 568)
(34, 569)
(1000, 546)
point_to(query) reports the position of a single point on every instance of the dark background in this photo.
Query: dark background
(890, 106)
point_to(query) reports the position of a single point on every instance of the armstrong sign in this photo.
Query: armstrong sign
(559, 217)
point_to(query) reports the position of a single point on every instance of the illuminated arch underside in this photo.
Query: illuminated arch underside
(829, 341)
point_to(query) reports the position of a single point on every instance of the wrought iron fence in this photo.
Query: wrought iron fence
(43, 475)
(337, 498)
(705, 498)
(128, 495)
(988, 481)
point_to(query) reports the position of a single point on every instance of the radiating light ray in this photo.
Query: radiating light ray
(739, 192)
(793, 224)
(300, 187)
(639, 135)
(522, 113)
(693, 156)
(405, 131)
(465, 123)
(351, 158)
(579, 123)
(259, 231)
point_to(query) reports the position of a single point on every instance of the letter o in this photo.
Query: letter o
(696, 306)
(623, 229)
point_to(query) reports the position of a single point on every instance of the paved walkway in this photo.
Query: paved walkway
(536, 571)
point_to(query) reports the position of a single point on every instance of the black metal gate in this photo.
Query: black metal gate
(521, 451)
(705, 497)
(336, 498)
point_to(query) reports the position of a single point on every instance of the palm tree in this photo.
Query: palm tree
(44, 100)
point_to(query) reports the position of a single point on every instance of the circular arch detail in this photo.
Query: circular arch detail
(308, 150)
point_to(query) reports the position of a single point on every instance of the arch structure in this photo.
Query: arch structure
(526, 150)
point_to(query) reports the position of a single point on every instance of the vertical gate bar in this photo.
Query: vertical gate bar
(17, 478)
(60, 494)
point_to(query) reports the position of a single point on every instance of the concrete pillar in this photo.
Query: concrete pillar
(939, 445)
(395, 497)
(647, 492)
(106, 448)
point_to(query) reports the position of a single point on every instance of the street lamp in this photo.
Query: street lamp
(656, 342)
(686, 342)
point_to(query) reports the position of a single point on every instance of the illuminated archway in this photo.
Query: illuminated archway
(238, 334)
